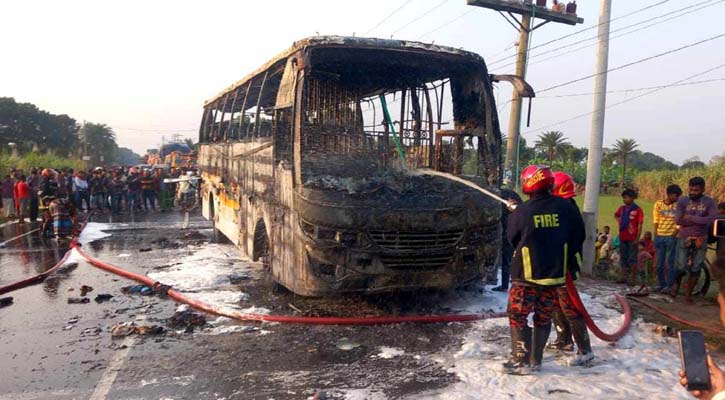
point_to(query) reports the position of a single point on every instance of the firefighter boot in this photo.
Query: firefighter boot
(518, 364)
(538, 342)
(563, 340)
(584, 352)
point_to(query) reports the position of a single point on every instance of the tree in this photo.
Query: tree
(31, 128)
(718, 160)
(127, 156)
(552, 143)
(99, 142)
(623, 149)
(693, 163)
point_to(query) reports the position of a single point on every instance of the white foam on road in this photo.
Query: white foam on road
(389, 352)
(94, 231)
(206, 275)
(641, 365)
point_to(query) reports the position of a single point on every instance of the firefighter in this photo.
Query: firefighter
(567, 320)
(541, 230)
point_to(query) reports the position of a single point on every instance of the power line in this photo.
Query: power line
(673, 84)
(586, 29)
(633, 63)
(158, 130)
(601, 23)
(446, 24)
(388, 17)
(418, 18)
(618, 36)
(688, 10)
(633, 89)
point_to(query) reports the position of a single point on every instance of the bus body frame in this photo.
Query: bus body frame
(276, 148)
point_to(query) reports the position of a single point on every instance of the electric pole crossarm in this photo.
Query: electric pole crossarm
(526, 9)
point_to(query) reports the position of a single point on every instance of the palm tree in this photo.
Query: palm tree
(98, 140)
(551, 142)
(623, 149)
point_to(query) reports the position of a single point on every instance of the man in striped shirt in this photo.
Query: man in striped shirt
(666, 236)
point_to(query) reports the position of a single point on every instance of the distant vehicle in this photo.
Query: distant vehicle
(143, 167)
(302, 166)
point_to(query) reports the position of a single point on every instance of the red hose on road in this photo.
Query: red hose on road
(574, 296)
(201, 306)
(678, 319)
(41, 277)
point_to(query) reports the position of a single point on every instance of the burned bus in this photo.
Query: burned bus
(311, 163)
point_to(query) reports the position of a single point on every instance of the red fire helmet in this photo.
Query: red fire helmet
(536, 178)
(564, 185)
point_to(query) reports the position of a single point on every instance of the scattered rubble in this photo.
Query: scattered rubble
(78, 300)
(664, 331)
(85, 289)
(238, 278)
(129, 328)
(6, 301)
(102, 297)
(345, 344)
(138, 289)
(186, 319)
(194, 235)
(145, 249)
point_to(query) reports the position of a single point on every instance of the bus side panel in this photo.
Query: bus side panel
(289, 264)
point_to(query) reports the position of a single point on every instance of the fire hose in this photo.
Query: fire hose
(381, 320)
(577, 301)
(41, 277)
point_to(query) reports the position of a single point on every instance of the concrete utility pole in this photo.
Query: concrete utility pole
(528, 12)
(511, 167)
(596, 138)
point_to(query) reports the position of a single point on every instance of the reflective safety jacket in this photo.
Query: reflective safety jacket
(544, 230)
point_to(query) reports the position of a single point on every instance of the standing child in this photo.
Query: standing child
(666, 235)
(629, 219)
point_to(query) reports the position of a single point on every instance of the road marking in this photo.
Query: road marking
(109, 377)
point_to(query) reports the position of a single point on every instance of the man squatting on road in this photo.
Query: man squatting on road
(541, 230)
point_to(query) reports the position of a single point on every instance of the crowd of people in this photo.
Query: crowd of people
(114, 190)
(676, 248)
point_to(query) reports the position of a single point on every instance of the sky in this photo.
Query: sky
(146, 68)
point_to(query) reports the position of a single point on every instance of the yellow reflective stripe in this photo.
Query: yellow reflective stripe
(579, 258)
(528, 272)
(526, 259)
(549, 281)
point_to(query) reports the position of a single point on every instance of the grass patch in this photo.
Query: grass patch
(608, 206)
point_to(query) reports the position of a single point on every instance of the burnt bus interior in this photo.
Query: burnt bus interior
(344, 132)
(347, 134)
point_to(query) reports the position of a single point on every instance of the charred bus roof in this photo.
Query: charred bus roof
(413, 62)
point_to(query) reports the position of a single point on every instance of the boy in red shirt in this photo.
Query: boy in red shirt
(629, 219)
(21, 193)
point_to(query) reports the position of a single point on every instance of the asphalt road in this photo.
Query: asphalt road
(53, 349)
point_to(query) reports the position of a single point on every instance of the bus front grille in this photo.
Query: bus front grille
(416, 241)
(420, 262)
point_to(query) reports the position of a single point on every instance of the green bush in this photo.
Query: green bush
(30, 160)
